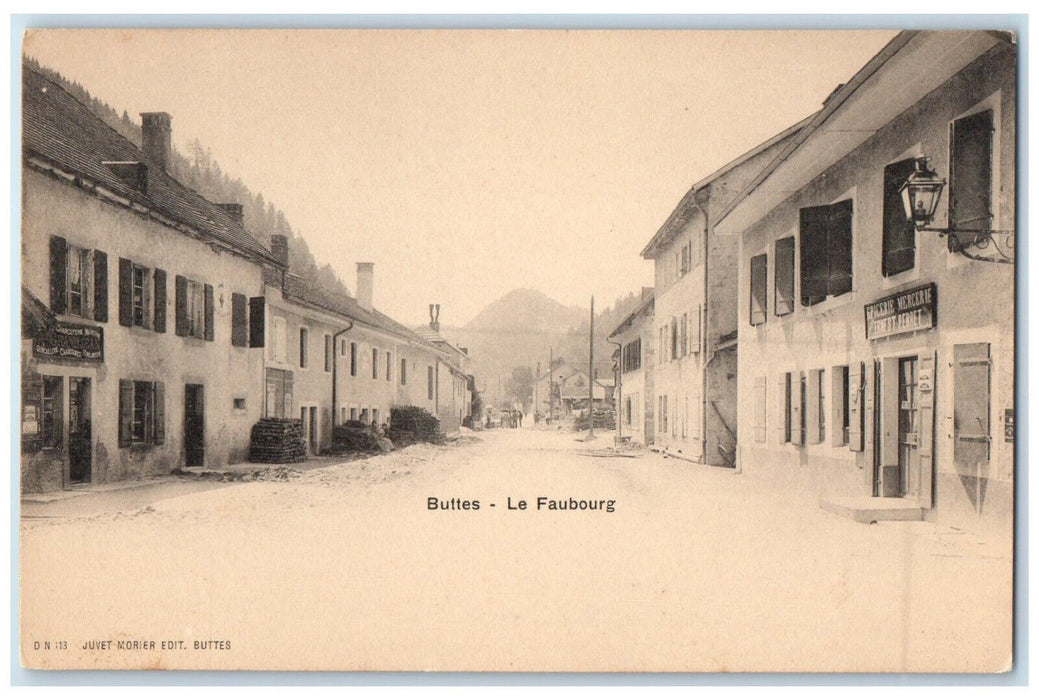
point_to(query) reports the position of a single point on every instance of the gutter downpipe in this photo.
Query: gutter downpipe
(620, 385)
(703, 198)
(335, 373)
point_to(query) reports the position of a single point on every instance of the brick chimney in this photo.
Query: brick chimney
(280, 248)
(365, 280)
(233, 210)
(434, 317)
(155, 137)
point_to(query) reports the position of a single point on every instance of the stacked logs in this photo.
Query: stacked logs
(277, 441)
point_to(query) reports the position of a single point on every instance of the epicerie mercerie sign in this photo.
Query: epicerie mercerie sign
(912, 310)
(69, 341)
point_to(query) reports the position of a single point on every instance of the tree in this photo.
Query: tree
(520, 386)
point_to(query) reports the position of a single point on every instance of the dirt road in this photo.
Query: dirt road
(347, 568)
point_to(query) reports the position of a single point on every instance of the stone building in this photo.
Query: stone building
(876, 361)
(144, 361)
(694, 370)
(634, 394)
(448, 378)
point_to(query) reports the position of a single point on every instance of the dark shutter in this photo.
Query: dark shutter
(758, 289)
(239, 321)
(125, 411)
(784, 276)
(838, 239)
(100, 286)
(159, 319)
(971, 390)
(59, 270)
(899, 231)
(815, 268)
(159, 402)
(125, 292)
(257, 309)
(970, 174)
(180, 290)
(209, 311)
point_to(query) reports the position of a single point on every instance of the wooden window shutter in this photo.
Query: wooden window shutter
(125, 412)
(856, 392)
(146, 302)
(760, 408)
(239, 320)
(100, 286)
(782, 402)
(971, 399)
(180, 291)
(815, 267)
(159, 318)
(758, 289)
(812, 415)
(970, 173)
(797, 398)
(59, 271)
(784, 274)
(209, 311)
(838, 243)
(125, 292)
(257, 312)
(159, 403)
(899, 230)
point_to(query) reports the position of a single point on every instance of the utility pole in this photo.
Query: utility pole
(591, 371)
(551, 401)
(537, 403)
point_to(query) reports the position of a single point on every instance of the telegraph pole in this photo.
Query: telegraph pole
(591, 371)
(551, 401)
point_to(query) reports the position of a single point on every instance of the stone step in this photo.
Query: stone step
(867, 509)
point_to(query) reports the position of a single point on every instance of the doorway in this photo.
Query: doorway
(896, 427)
(908, 427)
(308, 417)
(80, 443)
(194, 425)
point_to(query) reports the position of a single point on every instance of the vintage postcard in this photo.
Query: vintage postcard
(539, 350)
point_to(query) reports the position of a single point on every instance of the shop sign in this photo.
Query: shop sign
(69, 341)
(913, 310)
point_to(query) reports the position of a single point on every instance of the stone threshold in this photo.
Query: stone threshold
(870, 509)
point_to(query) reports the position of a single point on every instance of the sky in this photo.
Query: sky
(465, 164)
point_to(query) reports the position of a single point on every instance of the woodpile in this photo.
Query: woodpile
(277, 441)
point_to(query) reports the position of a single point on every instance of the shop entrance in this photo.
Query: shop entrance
(194, 425)
(902, 422)
(79, 431)
(908, 428)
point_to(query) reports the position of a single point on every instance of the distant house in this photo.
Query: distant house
(634, 397)
(449, 377)
(136, 355)
(563, 389)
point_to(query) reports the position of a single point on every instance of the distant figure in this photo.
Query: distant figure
(520, 418)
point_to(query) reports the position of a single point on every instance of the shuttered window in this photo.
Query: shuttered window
(58, 274)
(353, 359)
(375, 363)
(239, 320)
(159, 298)
(760, 405)
(389, 366)
(825, 251)
(78, 280)
(685, 335)
(784, 276)
(758, 289)
(142, 413)
(797, 408)
(403, 371)
(257, 316)
(970, 173)
(856, 394)
(430, 382)
(899, 230)
(971, 399)
(329, 352)
(304, 337)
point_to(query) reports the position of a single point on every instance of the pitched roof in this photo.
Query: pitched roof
(299, 289)
(59, 130)
(646, 303)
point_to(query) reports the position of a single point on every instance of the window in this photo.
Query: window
(430, 382)
(694, 329)
(194, 308)
(839, 385)
(899, 230)
(760, 398)
(303, 336)
(51, 418)
(758, 289)
(142, 296)
(239, 404)
(142, 417)
(329, 352)
(78, 280)
(685, 335)
(375, 363)
(825, 252)
(364, 416)
(389, 366)
(375, 416)
(239, 320)
(815, 413)
(784, 276)
(353, 413)
(631, 356)
(784, 404)
(353, 359)
(674, 337)
(970, 173)
(257, 321)
(403, 371)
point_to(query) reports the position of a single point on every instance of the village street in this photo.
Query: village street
(345, 567)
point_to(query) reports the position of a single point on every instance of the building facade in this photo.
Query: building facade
(448, 378)
(876, 359)
(695, 272)
(635, 398)
(143, 366)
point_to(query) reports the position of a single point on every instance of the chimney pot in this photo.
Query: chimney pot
(280, 248)
(233, 210)
(365, 280)
(156, 128)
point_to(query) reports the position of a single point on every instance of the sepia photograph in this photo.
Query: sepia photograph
(517, 350)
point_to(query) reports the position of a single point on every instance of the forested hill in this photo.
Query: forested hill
(199, 171)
